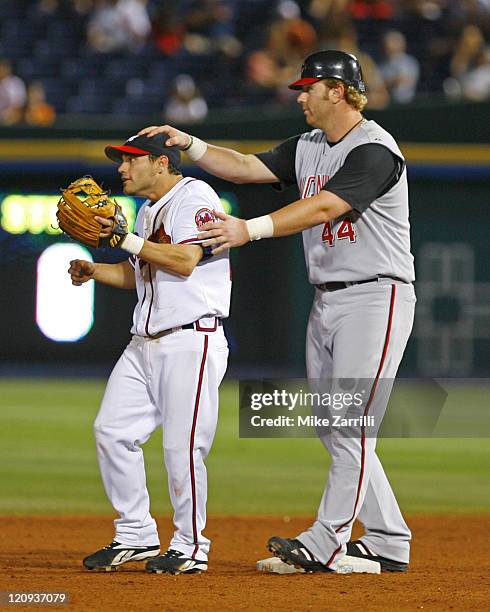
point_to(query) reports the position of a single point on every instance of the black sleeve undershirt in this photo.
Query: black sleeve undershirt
(369, 171)
(281, 161)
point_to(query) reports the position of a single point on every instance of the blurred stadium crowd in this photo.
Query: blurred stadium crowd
(182, 58)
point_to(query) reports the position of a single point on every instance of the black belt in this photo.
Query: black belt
(196, 325)
(336, 285)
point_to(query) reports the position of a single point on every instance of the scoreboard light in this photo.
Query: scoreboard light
(36, 213)
(29, 213)
(229, 202)
(64, 312)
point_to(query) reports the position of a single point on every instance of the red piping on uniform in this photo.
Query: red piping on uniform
(366, 410)
(191, 446)
(337, 550)
(151, 280)
(189, 240)
(207, 329)
(151, 302)
(144, 297)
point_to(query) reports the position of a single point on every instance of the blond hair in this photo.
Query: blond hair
(353, 97)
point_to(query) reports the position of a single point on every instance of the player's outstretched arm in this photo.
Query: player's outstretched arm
(220, 161)
(120, 275)
(296, 217)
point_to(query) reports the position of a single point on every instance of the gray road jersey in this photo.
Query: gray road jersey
(354, 247)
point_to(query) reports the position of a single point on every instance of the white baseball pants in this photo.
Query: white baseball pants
(359, 333)
(171, 381)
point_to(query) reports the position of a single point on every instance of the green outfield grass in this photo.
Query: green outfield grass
(48, 464)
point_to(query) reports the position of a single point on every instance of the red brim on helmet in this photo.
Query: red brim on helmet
(304, 82)
(331, 64)
(115, 152)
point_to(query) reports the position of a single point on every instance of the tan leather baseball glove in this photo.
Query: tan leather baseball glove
(80, 203)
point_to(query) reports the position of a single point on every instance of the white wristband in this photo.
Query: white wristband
(196, 148)
(132, 244)
(260, 227)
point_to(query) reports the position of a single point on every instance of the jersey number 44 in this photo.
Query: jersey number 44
(345, 231)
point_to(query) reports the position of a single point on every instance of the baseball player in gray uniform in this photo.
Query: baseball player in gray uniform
(353, 213)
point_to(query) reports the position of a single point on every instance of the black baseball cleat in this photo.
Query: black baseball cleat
(359, 549)
(110, 557)
(175, 562)
(294, 553)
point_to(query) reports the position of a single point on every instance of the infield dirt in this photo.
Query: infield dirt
(449, 570)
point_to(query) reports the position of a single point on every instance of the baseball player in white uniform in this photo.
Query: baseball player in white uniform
(353, 212)
(170, 371)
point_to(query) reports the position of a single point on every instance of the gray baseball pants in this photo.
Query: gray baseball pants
(358, 333)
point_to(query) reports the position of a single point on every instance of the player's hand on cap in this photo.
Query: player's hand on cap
(224, 234)
(175, 136)
(80, 271)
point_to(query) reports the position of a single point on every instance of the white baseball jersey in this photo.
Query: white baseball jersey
(354, 247)
(167, 300)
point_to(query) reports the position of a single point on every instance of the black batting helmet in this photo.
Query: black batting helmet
(331, 64)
